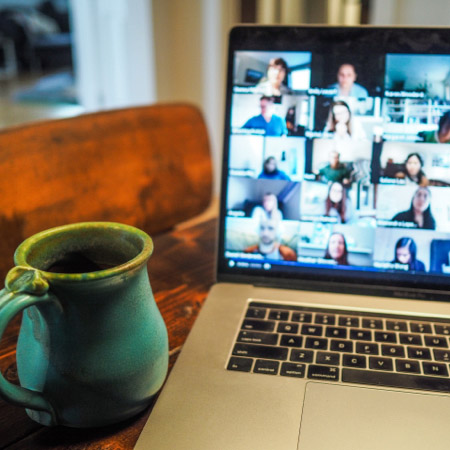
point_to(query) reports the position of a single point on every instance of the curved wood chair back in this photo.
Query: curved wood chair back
(144, 166)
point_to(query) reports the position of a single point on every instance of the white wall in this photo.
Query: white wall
(113, 53)
(190, 39)
(410, 12)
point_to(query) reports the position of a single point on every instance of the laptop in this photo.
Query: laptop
(329, 324)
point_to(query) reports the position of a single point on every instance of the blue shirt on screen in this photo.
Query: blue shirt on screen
(356, 91)
(276, 175)
(276, 126)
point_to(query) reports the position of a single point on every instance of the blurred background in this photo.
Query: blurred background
(59, 58)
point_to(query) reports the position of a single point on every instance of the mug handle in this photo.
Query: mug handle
(24, 287)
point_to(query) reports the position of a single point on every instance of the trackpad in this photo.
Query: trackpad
(341, 417)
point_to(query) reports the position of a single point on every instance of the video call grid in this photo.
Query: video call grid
(333, 145)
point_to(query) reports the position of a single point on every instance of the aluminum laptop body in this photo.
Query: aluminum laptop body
(329, 325)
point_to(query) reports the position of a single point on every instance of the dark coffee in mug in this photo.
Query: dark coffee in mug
(77, 262)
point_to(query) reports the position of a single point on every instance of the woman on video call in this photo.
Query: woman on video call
(269, 208)
(271, 172)
(337, 204)
(337, 249)
(274, 83)
(413, 172)
(419, 211)
(341, 124)
(405, 253)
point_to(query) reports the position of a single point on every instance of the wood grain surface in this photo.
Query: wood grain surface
(181, 272)
(146, 166)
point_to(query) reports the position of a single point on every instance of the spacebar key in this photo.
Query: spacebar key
(379, 378)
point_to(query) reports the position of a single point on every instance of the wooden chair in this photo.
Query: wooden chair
(145, 166)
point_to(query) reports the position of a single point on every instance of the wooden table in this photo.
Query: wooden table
(181, 272)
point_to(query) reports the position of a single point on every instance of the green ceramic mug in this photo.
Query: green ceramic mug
(93, 347)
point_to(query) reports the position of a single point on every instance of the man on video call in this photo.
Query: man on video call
(268, 245)
(335, 170)
(272, 124)
(346, 86)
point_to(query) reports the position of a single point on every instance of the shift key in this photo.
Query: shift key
(260, 351)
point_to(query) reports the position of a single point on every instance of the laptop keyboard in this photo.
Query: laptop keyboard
(335, 345)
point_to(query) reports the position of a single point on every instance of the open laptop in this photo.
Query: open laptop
(329, 325)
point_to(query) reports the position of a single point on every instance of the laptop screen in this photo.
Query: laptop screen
(337, 157)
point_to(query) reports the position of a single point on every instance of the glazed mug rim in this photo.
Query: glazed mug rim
(24, 249)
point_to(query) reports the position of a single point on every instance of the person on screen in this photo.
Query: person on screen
(419, 211)
(405, 253)
(272, 124)
(274, 83)
(269, 246)
(346, 83)
(340, 122)
(337, 204)
(335, 170)
(413, 172)
(290, 120)
(442, 135)
(271, 172)
(337, 249)
(269, 209)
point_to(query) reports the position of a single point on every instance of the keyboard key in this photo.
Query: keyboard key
(256, 337)
(441, 355)
(420, 327)
(436, 341)
(312, 330)
(286, 327)
(291, 341)
(266, 366)
(341, 346)
(354, 361)
(240, 364)
(256, 313)
(410, 339)
(396, 325)
(349, 321)
(302, 356)
(316, 343)
(392, 379)
(406, 365)
(260, 351)
(301, 317)
(442, 329)
(361, 335)
(328, 373)
(367, 348)
(384, 336)
(374, 324)
(380, 363)
(395, 351)
(336, 332)
(258, 325)
(436, 369)
(325, 319)
(419, 353)
(279, 315)
(293, 370)
(331, 359)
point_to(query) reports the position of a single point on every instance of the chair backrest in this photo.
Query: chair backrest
(145, 166)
